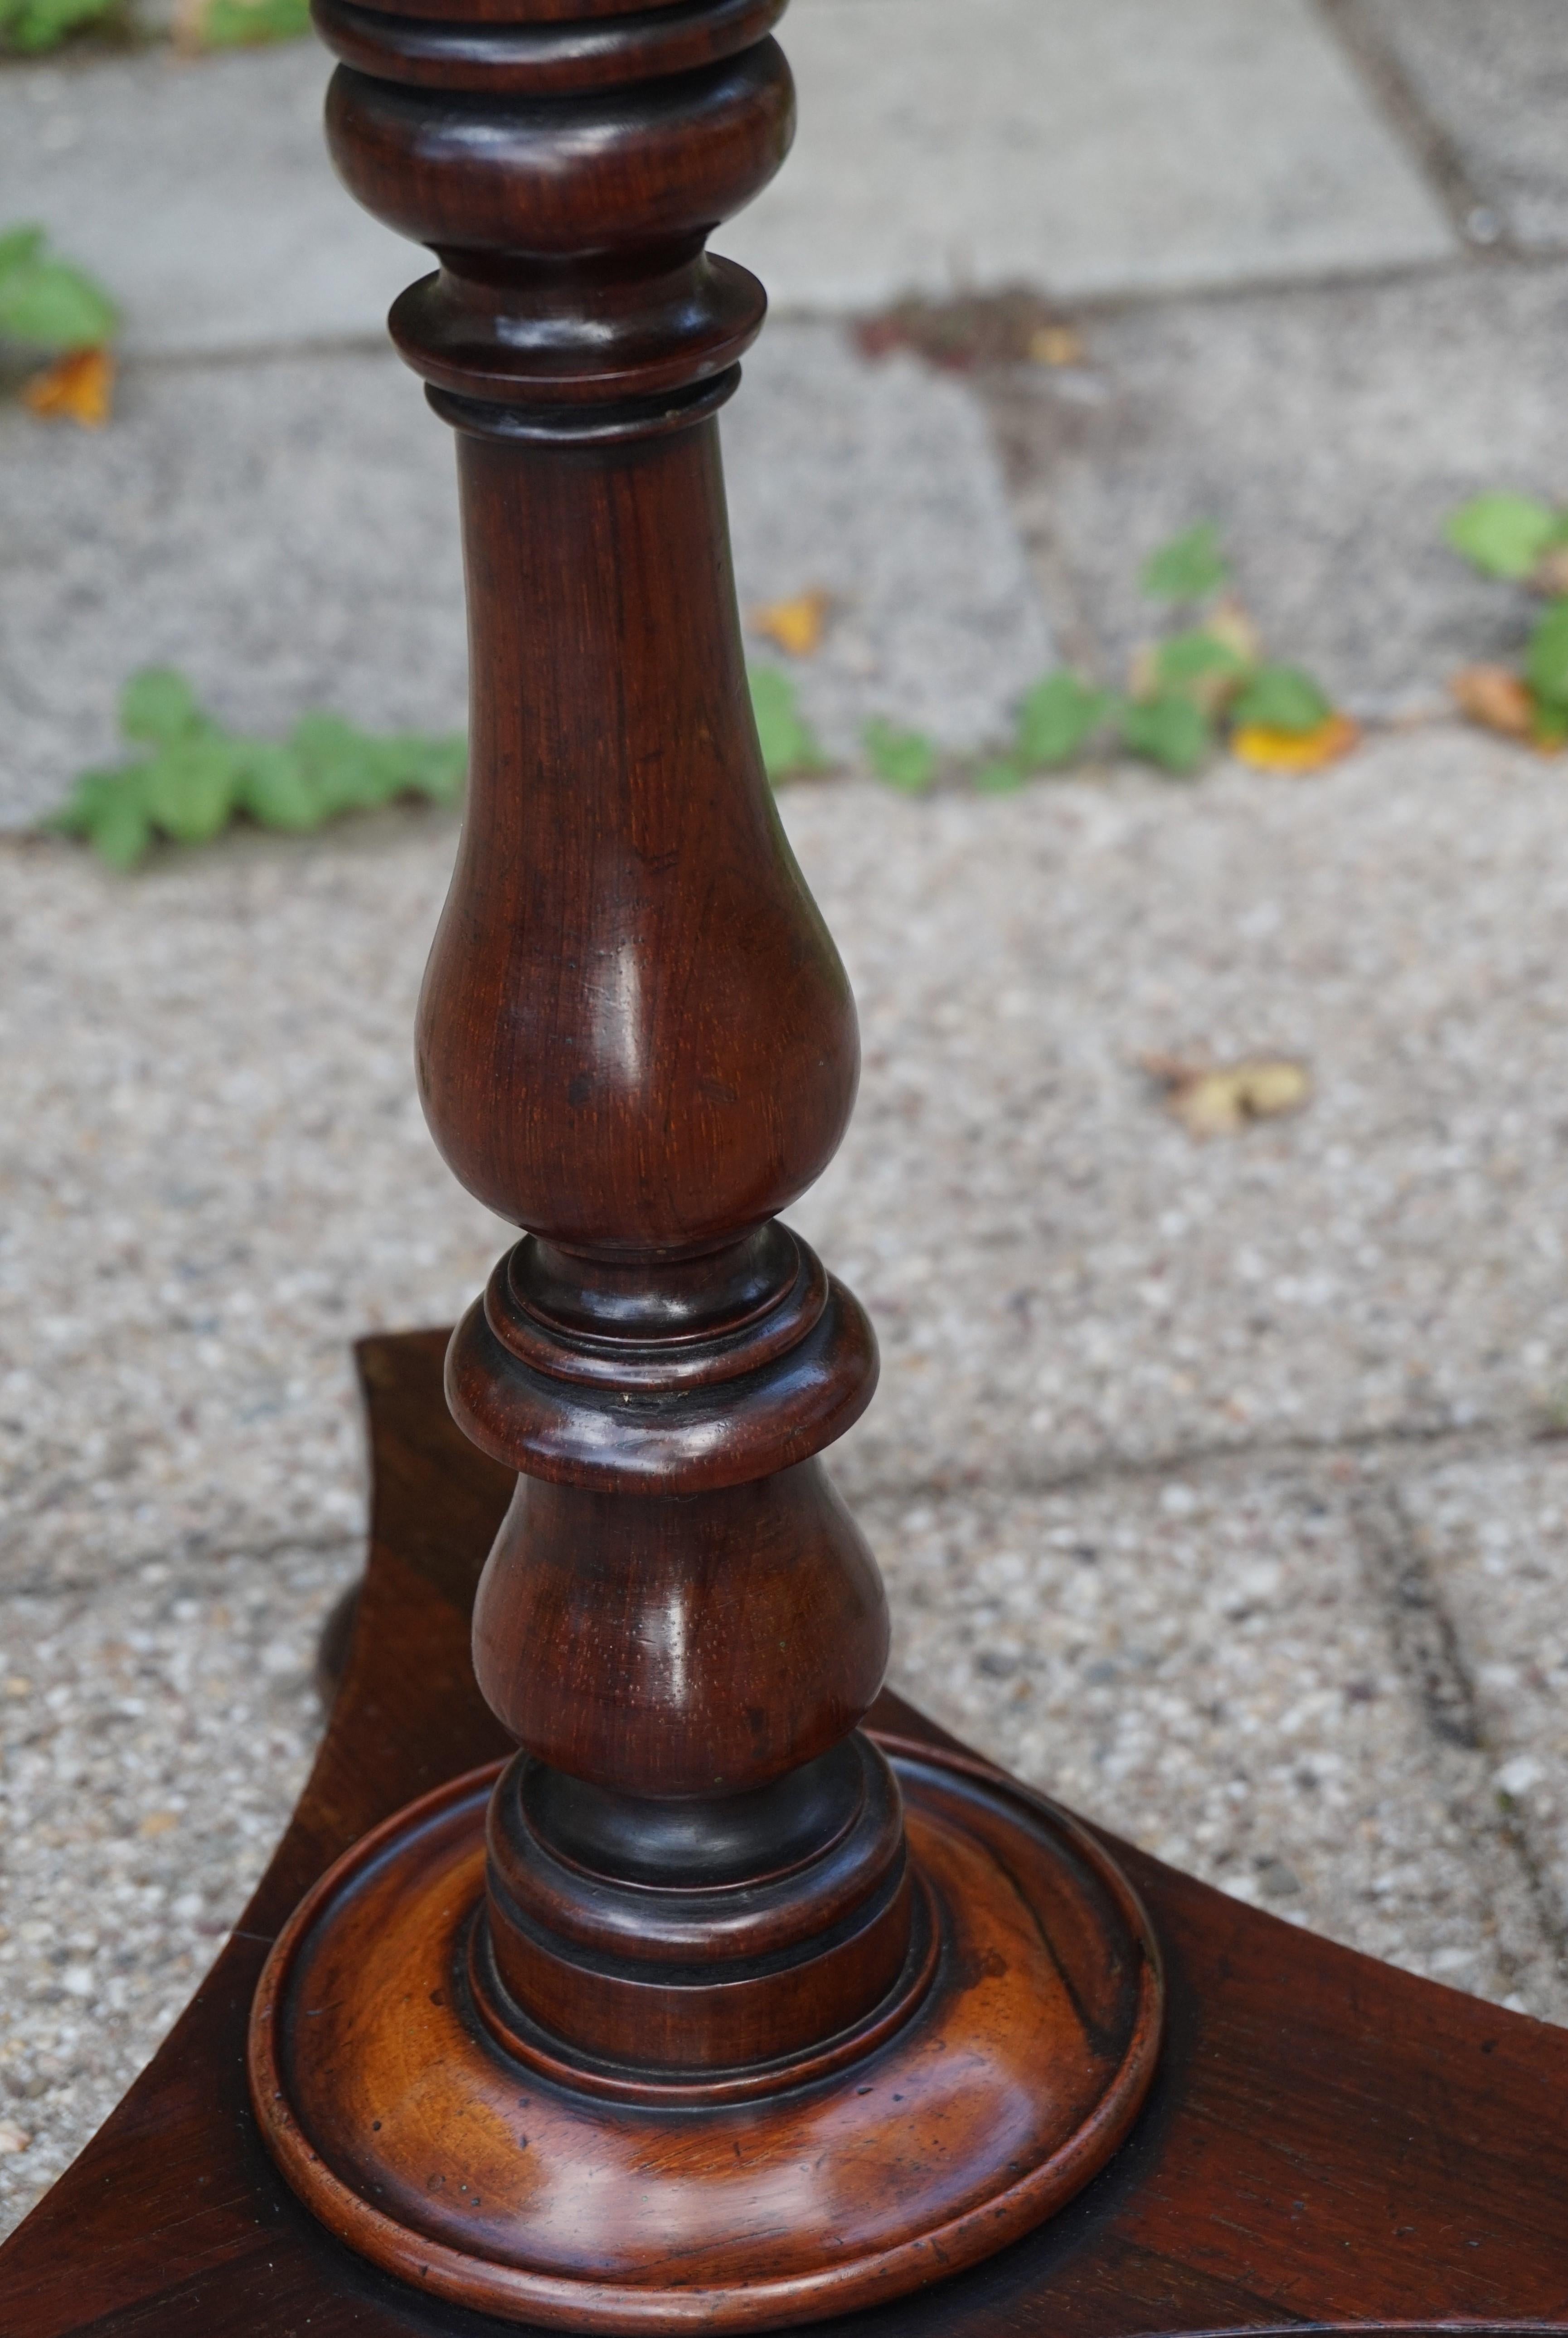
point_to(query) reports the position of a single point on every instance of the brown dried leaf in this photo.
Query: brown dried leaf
(1056, 345)
(1496, 697)
(1229, 623)
(1217, 1100)
(1549, 575)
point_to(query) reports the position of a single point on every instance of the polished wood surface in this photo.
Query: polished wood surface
(1328, 2142)
(689, 1909)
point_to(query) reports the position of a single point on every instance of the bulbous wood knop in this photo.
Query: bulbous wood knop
(693, 1894)
(635, 1036)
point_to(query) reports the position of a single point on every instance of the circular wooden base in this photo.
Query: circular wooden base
(1017, 2069)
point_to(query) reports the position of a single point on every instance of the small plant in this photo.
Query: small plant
(195, 777)
(906, 759)
(48, 305)
(31, 26)
(46, 302)
(1522, 542)
(1057, 719)
(238, 23)
(1209, 680)
(789, 748)
(1191, 568)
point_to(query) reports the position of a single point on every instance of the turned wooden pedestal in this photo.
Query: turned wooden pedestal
(1326, 2141)
(708, 2011)
(614, 1977)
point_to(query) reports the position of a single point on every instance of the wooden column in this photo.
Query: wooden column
(678, 2024)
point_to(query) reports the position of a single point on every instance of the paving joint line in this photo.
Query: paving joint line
(1088, 307)
(1434, 150)
(178, 1552)
(1429, 1652)
(1443, 1442)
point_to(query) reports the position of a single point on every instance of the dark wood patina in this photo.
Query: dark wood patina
(702, 1932)
(1327, 2143)
(613, 1976)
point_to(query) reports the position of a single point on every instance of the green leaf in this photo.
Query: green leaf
(273, 787)
(160, 704)
(1000, 777)
(1282, 698)
(1546, 658)
(345, 767)
(76, 815)
(1549, 728)
(905, 759)
(789, 746)
(244, 23)
(190, 786)
(429, 764)
(1168, 730)
(1188, 568)
(53, 306)
(19, 244)
(109, 809)
(1503, 535)
(122, 830)
(1056, 718)
(34, 24)
(201, 775)
(1193, 657)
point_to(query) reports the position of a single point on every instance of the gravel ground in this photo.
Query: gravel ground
(156, 1722)
(1201, 1473)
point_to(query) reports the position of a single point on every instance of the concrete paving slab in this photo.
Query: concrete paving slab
(937, 153)
(879, 484)
(1495, 81)
(1329, 433)
(217, 1176)
(286, 533)
(200, 194)
(1115, 149)
(1058, 1272)
(211, 1101)
(1196, 1662)
(1492, 1532)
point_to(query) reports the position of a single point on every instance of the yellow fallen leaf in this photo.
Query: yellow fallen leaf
(1216, 1100)
(79, 386)
(1295, 751)
(1056, 345)
(159, 1822)
(796, 624)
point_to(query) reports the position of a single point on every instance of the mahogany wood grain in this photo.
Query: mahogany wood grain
(690, 1934)
(1329, 2142)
